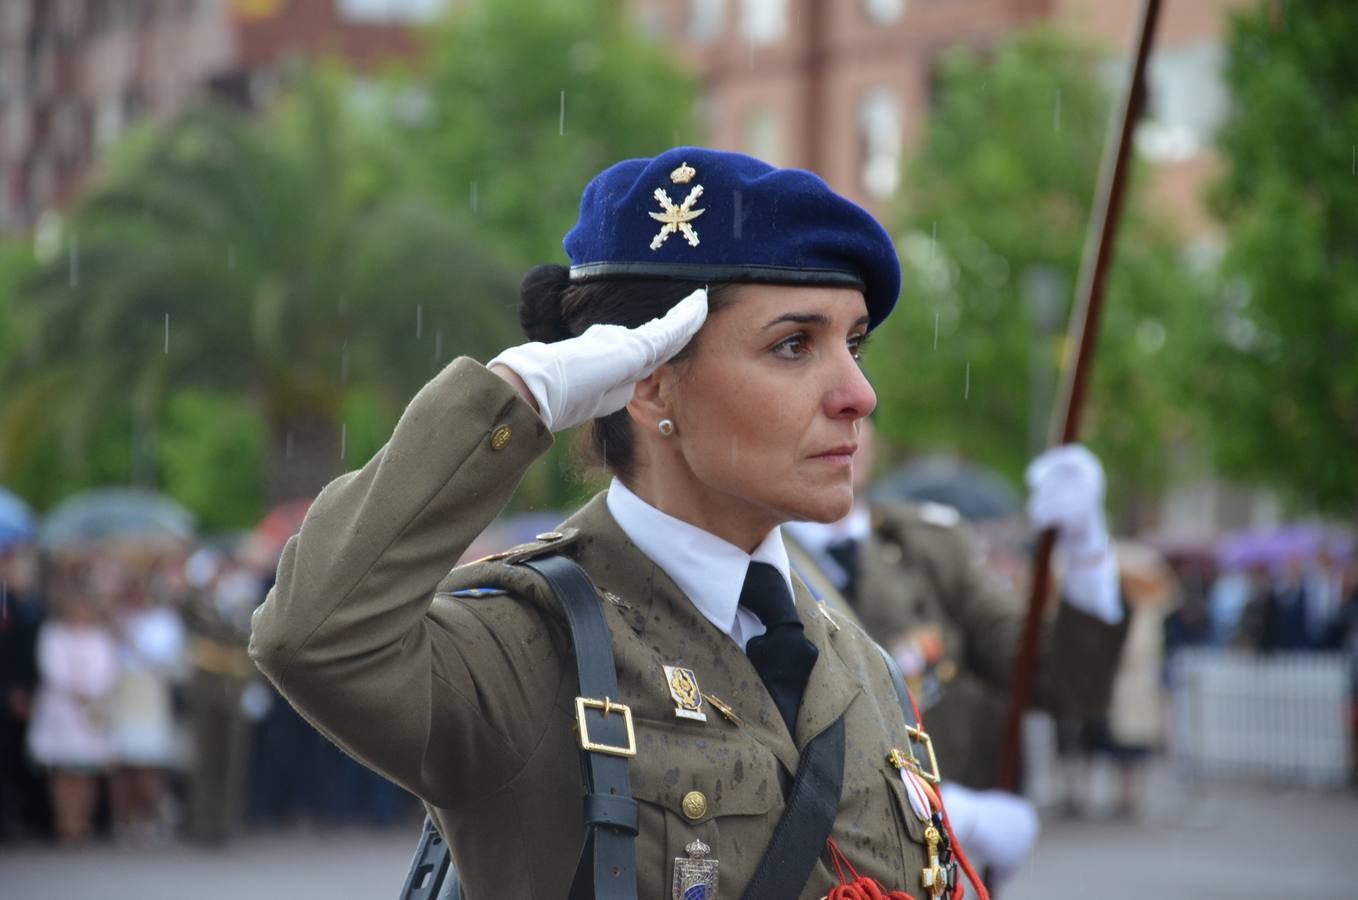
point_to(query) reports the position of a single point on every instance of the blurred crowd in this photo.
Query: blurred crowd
(131, 708)
(1262, 594)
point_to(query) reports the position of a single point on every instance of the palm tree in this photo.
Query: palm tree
(277, 259)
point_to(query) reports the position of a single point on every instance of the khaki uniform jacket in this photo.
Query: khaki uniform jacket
(468, 702)
(921, 570)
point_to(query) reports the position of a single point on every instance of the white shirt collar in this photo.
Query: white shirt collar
(709, 570)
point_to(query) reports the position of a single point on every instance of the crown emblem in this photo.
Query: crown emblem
(697, 850)
(684, 174)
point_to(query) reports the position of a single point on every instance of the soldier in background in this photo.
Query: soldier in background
(218, 619)
(915, 578)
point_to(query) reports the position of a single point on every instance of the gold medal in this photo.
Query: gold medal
(695, 878)
(688, 700)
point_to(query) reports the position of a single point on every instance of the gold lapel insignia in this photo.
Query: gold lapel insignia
(825, 614)
(688, 700)
(695, 878)
(724, 708)
(677, 218)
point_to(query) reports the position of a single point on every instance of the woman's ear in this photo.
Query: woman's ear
(651, 399)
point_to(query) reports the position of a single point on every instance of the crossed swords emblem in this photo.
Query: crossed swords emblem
(677, 218)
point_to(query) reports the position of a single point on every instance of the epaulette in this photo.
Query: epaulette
(547, 542)
(939, 514)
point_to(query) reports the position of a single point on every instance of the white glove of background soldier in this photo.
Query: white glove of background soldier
(593, 375)
(1066, 491)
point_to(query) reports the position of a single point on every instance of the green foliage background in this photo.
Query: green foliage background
(998, 199)
(1279, 362)
(320, 261)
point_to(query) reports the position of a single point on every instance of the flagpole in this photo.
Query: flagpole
(1079, 362)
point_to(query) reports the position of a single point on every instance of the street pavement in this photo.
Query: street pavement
(1215, 842)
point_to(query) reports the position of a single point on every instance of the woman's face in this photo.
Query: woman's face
(767, 407)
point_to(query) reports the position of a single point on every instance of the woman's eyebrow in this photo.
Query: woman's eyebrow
(800, 319)
(811, 319)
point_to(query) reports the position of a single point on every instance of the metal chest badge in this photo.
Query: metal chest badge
(688, 700)
(695, 878)
(676, 217)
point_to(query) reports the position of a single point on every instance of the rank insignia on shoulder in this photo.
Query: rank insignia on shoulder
(688, 699)
(475, 593)
(695, 878)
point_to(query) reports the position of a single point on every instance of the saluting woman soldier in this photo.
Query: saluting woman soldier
(709, 332)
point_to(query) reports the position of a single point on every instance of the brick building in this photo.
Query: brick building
(844, 87)
(75, 73)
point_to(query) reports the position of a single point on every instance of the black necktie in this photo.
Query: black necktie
(782, 655)
(845, 554)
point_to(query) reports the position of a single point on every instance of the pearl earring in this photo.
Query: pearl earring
(666, 427)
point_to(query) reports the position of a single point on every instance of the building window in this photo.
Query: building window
(765, 21)
(763, 137)
(378, 12)
(879, 128)
(884, 10)
(705, 19)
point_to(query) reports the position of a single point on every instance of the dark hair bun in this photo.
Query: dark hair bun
(540, 296)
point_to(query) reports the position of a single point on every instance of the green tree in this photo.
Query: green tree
(994, 213)
(277, 268)
(1279, 373)
(529, 99)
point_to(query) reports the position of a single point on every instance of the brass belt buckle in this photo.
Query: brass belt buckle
(607, 706)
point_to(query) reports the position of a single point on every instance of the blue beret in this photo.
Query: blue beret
(709, 215)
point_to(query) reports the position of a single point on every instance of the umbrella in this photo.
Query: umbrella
(974, 491)
(124, 514)
(16, 520)
(1271, 548)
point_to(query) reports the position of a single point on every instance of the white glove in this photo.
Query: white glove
(1066, 486)
(589, 376)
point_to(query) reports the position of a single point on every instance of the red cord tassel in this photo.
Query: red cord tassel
(861, 888)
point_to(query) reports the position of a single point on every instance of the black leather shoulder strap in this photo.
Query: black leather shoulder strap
(812, 807)
(607, 866)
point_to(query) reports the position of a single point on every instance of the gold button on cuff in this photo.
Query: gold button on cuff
(695, 805)
(500, 437)
(549, 536)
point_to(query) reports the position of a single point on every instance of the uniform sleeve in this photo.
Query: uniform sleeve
(346, 633)
(1079, 652)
